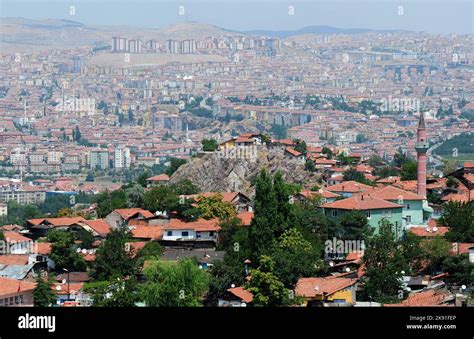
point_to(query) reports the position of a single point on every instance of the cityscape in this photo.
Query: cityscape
(198, 164)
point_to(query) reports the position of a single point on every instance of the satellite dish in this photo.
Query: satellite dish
(78, 250)
(84, 251)
(91, 251)
(402, 272)
(435, 229)
(348, 269)
(63, 281)
(233, 285)
(331, 263)
(58, 288)
(463, 287)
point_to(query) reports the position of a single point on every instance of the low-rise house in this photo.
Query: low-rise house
(200, 230)
(120, 217)
(348, 188)
(236, 297)
(16, 293)
(15, 243)
(415, 207)
(158, 179)
(206, 257)
(241, 201)
(40, 227)
(327, 291)
(98, 227)
(375, 209)
(427, 298)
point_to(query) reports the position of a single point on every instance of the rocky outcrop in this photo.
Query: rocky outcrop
(227, 171)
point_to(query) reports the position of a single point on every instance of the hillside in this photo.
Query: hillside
(213, 172)
(21, 33)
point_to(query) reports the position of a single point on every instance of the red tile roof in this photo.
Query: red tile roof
(349, 187)
(198, 225)
(99, 225)
(431, 230)
(11, 286)
(242, 294)
(15, 237)
(14, 259)
(161, 177)
(127, 213)
(148, 232)
(362, 202)
(294, 152)
(425, 298)
(394, 193)
(312, 287)
(56, 222)
(245, 217)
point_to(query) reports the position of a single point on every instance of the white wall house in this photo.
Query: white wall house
(188, 235)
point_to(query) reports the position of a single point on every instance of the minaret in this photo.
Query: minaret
(421, 147)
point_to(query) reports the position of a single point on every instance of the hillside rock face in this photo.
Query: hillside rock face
(225, 171)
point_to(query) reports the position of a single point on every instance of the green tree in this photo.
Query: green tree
(384, 264)
(295, 257)
(459, 217)
(265, 286)
(279, 131)
(409, 170)
(161, 198)
(171, 284)
(175, 163)
(261, 231)
(63, 253)
(86, 238)
(43, 294)
(109, 201)
(460, 270)
(134, 196)
(354, 225)
(214, 207)
(112, 258)
(352, 174)
(435, 250)
(399, 158)
(185, 187)
(285, 215)
(118, 293)
(209, 145)
(151, 250)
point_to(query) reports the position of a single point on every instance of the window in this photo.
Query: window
(367, 213)
(408, 219)
(184, 233)
(334, 213)
(211, 234)
(169, 233)
(198, 235)
(408, 206)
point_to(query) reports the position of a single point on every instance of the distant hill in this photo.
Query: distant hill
(313, 30)
(16, 33)
(463, 144)
(194, 30)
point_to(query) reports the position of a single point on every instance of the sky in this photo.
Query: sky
(432, 16)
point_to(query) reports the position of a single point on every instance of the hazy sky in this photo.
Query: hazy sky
(434, 16)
